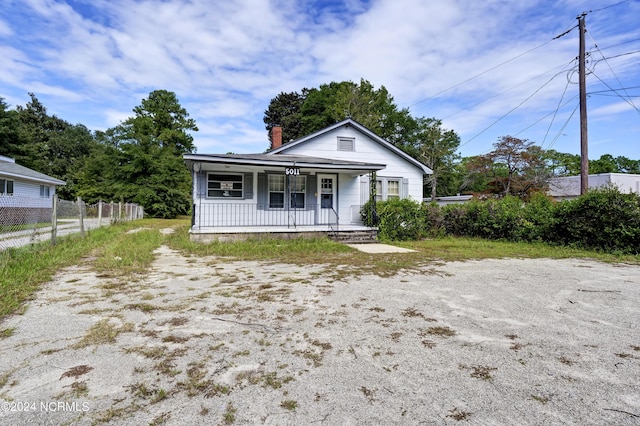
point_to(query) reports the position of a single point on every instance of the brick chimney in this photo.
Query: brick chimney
(276, 137)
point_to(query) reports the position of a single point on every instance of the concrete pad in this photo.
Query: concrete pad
(379, 248)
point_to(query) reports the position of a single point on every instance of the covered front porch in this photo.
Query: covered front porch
(240, 196)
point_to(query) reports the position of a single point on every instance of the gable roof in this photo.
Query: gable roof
(10, 169)
(350, 122)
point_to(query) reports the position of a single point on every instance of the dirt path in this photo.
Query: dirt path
(213, 341)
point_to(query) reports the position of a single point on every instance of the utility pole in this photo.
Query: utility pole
(584, 138)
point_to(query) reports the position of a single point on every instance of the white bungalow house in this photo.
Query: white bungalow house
(316, 184)
(25, 195)
(568, 187)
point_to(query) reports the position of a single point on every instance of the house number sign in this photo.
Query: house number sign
(293, 171)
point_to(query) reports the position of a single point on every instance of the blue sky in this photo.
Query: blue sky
(93, 61)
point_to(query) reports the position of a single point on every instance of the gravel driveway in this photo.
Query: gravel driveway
(216, 341)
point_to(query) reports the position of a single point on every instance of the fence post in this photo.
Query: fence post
(111, 218)
(120, 211)
(99, 213)
(81, 216)
(54, 219)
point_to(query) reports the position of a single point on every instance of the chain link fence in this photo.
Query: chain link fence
(27, 220)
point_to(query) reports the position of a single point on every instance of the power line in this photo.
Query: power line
(488, 70)
(565, 68)
(513, 109)
(613, 72)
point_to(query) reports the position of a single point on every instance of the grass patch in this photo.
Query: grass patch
(23, 270)
(101, 333)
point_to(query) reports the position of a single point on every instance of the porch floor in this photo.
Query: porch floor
(231, 233)
(275, 229)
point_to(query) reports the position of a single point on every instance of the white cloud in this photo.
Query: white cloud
(226, 60)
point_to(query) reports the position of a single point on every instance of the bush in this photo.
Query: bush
(401, 220)
(603, 219)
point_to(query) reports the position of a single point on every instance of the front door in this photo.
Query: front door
(327, 193)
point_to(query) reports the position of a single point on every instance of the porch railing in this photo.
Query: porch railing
(250, 215)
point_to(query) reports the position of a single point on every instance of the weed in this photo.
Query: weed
(541, 399)
(230, 415)
(411, 313)
(429, 343)
(152, 352)
(174, 339)
(144, 307)
(324, 345)
(229, 279)
(441, 331)
(635, 348)
(160, 419)
(102, 332)
(480, 371)
(289, 404)
(566, 361)
(175, 321)
(457, 414)
(377, 309)
(76, 371)
(6, 332)
(511, 336)
(395, 336)
(368, 393)
(623, 355)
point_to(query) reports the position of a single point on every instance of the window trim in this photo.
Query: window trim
(4, 189)
(45, 191)
(230, 197)
(288, 192)
(383, 193)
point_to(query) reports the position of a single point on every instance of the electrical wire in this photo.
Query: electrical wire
(488, 70)
(612, 71)
(513, 109)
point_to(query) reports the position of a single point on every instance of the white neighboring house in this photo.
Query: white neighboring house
(25, 195)
(568, 187)
(317, 183)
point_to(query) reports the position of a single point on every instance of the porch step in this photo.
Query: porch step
(369, 236)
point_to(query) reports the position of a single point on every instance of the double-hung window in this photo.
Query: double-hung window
(387, 189)
(221, 185)
(44, 191)
(276, 191)
(6, 187)
(297, 189)
(280, 185)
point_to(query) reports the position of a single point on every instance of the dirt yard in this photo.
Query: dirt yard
(216, 341)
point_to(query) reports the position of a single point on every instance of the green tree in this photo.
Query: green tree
(515, 167)
(149, 148)
(605, 164)
(10, 144)
(563, 164)
(303, 113)
(285, 110)
(435, 147)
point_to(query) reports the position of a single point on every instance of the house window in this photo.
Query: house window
(387, 189)
(297, 191)
(44, 191)
(346, 144)
(393, 190)
(224, 185)
(6, 187)
(276, 191)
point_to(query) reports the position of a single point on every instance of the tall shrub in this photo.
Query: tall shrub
(603, 219)
(401, 220)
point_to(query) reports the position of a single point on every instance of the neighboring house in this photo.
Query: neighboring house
(568, 187)
(25, 195)
(314, 184)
